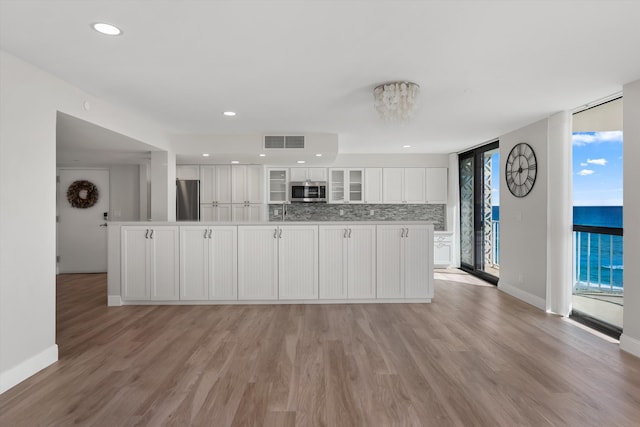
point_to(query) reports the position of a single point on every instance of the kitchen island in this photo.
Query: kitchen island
(270, 262)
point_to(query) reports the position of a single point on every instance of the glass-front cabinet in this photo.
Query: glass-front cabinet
(278, 185)
(346, 185)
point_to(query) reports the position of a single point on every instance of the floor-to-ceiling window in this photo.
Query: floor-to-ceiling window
(480, 212)
(598, 291)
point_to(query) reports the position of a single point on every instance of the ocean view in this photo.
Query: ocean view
(600, 257)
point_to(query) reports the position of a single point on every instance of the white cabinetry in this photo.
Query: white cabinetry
(442, 248)
(347, 258)
(373, 185)
(278, 183)
(346, 185)
(215, 184)
(149, 263)
(277, 262)
(403, 185)
(215, 212)
(311, 174)
(246, 183)
(248, 212)
(187, 172)
(208, 263)
(436, 191)
(404, 262)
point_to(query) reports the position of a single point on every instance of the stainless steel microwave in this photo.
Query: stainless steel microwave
(308, 191)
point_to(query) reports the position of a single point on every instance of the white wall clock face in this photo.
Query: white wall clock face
(521, 169)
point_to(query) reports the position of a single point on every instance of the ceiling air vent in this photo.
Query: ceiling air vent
(281, 141)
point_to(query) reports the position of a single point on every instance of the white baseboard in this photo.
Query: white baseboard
(114, 300)
(630, 344)
(523, 296)
(24, 370)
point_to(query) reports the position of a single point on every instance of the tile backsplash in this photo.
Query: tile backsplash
(360, 212)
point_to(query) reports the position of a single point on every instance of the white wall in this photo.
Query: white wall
(630, 340)
(29, 101)
(523, 223)
(124, 188)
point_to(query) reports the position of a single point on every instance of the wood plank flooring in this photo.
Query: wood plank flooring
(474, 357)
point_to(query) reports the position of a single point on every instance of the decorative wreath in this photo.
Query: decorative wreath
(82, 194)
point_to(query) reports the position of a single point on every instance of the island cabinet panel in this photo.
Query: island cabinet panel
(298, 262)
(405, 262)
(257, 262)
(149, 265)
(208, 263)
(348, 262)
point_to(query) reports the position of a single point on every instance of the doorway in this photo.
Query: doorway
(82, 231)
(480, 212)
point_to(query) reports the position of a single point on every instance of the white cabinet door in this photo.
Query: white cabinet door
(256, 213)
(337, 185)
(135, 263)
(278, 183)
(215, 212)
(194, 263)
(361, 261)
(390, 261)
(207, 184)
(355, 182)
(418, 262)
(238, 213)
(257, 263)
(298, 262)
(373, 185)
(254, 182)
(442, 249)
(223, 263)
(333, 261)
(437, 185)
(392, 189)
(299, 174)
(414, 185)
(165, 280)
(239, 184)
(223, 184)
(317, 174)
(187, 172)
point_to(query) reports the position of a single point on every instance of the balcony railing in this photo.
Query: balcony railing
(598, 259)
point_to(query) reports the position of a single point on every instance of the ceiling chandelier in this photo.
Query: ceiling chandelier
(396, 100)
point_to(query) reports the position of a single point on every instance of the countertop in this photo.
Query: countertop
(274, 223)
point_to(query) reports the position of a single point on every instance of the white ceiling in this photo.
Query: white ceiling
(485, 67)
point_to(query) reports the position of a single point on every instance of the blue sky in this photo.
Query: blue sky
(597, 168)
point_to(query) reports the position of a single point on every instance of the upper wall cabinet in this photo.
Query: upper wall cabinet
(437, 185)
(246, 181)
(278, 185)
(373, 185)
(187, 172)
(346, 185)
(403, 185)
(311, 174)
(215, 184)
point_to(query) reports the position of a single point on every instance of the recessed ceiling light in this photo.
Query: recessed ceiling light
(229, 113)
(406, 146)
(205, 154)
(235, 162)
(107, 29)
(318, 155)
(262, 155)
(301, 161)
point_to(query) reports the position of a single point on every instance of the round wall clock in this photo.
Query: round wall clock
(521, 169)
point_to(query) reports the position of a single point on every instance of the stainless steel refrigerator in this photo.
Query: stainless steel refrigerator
(187, 200)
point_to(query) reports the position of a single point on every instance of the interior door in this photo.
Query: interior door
(82, 236)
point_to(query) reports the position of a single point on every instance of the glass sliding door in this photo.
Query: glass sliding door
(480, 212)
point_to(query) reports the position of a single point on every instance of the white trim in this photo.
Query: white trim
(630, 344)
(114, 301)
(29, 367)
(301, 301)
(523, 296)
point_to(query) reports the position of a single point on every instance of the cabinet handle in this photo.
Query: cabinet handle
(205, 234)
(407, 233)
(280, 234)
(275, 233)
(402, 233)
(151, 235)
(210, 233)
(146, 235)
(344, 236)
(349, 233)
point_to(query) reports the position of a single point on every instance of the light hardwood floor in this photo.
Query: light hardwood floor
(474, 357)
